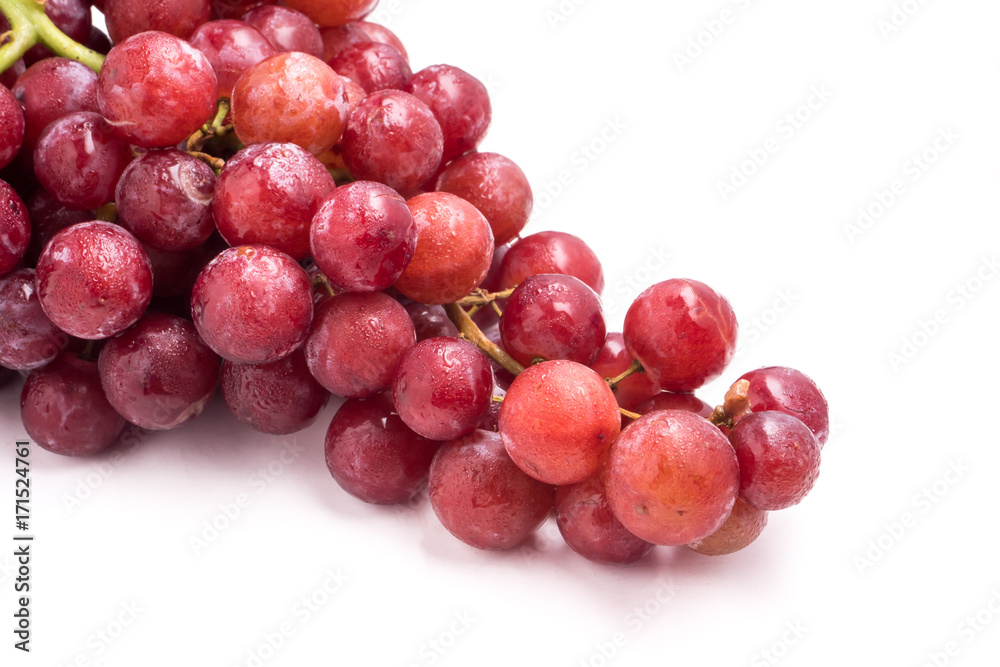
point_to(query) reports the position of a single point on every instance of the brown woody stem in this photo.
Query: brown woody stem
(636, 367)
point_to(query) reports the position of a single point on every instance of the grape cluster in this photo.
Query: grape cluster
(268, 199)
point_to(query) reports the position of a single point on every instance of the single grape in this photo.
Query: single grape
(48, 217)
(12, 122)
(591, 529)
(373, 66)
(79, 159)
(15, 229)
(393, 138)
(454, 249)
(494, 185)
(252, 304)
(379, 33)
(94, 280)
(279, 398)
(286, 29)
(551, 252)
(744, 525)
(158, 374)
(558, 420)
(442, 388)
(430, 321)
(357, 342)
(290, 98)
(612, 361)
(126, 18)
(156, 89)
(792, 392)
(374, 456)
(682, 332)
(551, 316)
(51, 89)
(459, 101)
(28, 338)
(779, 459)
(363, 236)
(328, 13)
(481, 497)
(269, 193)
(672, 477)
(64, 409)
(231, 47)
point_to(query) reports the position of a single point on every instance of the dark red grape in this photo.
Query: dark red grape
(672, 477)
(374, 456)
(252, 304)
(15, 229)
(28, 338)
(558, 420)
(551, 252)
(744, 525)
(328, 13)
(290, 98)
(779, 459)
(792, 392)
(50, 89)
(373, 66)
(459, 101)
(156, 89)
(231, 47)
(494, 185)
(158, 374)
(614, 360)
(174, 273)
(682, 332)
(481, 497)
(393, 138)
(357, 341)
(379, 33)
(269, 193)
(126, 18)
(12, 122)
(287, 29)
(591, 529)
(443, 387)
(94, 280)
(430, 321)
(551, 316)
(79, 159)
(49, 217)
(64, 409)
(340, 37)
(454, 249)
(363, 236)
(279, 398)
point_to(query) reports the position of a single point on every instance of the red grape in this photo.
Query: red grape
(12, 122)
(357, 341)
(158, 374)
(442, 388)
(286, 29)
(459, 101)
(668, 400)
(333, 12)
(779, 459)
(481, 497)
(672, 477)
(558, 420)
(28, 338)
(231, 47)
(379, 33)
(374, 456)
(682, 332)
(363, 236)
(550, 316)
(614, 360)
(744, 525)
(126, 18)
(279, 398)
(497, 187)
(51, 89)
(591, 529)
(454, 249)
(156, 89)
(551, 252)
(792, 392)
(269, 193)
(338, 38)
(373, 66)
(15, 229)
(252, 304)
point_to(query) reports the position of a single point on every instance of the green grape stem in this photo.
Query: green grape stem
(29, 26)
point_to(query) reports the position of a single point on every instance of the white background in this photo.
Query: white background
(856, 587)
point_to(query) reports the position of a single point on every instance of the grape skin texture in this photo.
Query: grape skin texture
(28, 338)
(94, 280)
(156, 89)
(12, 122)
(15, 229)
(591, 529)
(558, 420)
(454, 249)
(779, 459)
(374, 456)
(744, 525)
(49, 217)
(682, 332)
(278, 398)
(51, 89)
(669, 400)
(551, 252)
(290, 98)
(373, 66)
(459, 101)
(338, 38)
(328, 13)
(430, 321)
(497, 187)
(126, 18)
(672, 477)
(231, 47)
(286, 29)
(792, 392)
(379, 33)
(481, 497)
(64, 409)
(252, 304)
(614, 360)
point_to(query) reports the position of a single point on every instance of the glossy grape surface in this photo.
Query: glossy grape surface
(551, 252)
(741, 529)
(126, 18)
(286, 29)
(779, 459)
(28, 338)
(792, 392)
(12, 122)
(459, 101)
(591, 529)
(497, 187)
(52, 88)
(15, 229)
(231, 47)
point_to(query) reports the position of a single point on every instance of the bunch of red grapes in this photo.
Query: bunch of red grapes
(265, 198)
